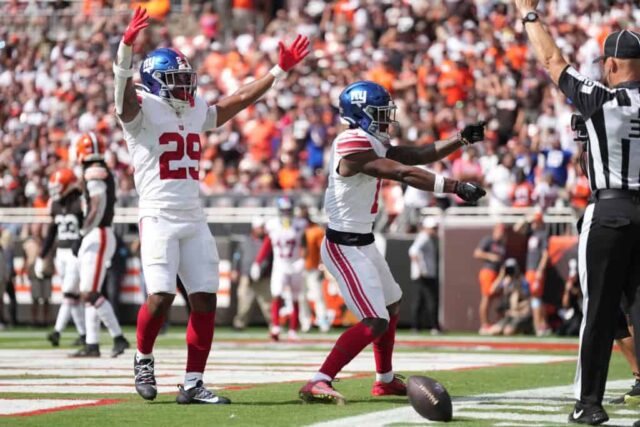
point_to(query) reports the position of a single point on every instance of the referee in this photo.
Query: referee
(609, 245)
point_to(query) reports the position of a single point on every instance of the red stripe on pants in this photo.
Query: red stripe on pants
(352, 282)
(103, 247)
(357, 282)
(343, 278)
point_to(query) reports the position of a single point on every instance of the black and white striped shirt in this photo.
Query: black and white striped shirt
(613, 122)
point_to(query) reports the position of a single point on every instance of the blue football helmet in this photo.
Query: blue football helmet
(369, 106)
(285, 206)
(167, 73)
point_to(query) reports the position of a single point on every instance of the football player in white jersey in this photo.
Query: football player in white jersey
(162, 126)
(284, 238)
(361, 158)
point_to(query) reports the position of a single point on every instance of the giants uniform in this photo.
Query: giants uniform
(66, 218)
(348, 251)
(174, 235)
(99, 245)
(286, 240)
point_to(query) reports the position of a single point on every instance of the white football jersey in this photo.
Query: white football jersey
(351, 202)
(165, 149)
(286, 240)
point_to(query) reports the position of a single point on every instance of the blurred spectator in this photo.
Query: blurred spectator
(5, 274)
(6, 242)
(500, 178)
(446, 64)
(467, 167)
(546, 193)
(571, 311)
(491, 251)
(522, 191)
(40, 288)
(249, 290)
(536, 266)
(578, 188)
(312, 291)
(424, 274)
(556, 162)
(516, 301)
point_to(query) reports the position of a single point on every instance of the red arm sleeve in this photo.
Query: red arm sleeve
(265, 250)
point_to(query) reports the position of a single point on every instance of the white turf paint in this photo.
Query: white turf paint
(225, 367)
(21, 406)
(498, 407)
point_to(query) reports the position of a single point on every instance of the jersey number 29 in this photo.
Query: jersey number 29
(191, 149)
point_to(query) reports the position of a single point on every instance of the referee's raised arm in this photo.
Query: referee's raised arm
(546, 49)
(609, 242)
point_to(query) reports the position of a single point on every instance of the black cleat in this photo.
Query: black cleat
(54, 338)
(89, 350)
(199, 395)
(120, 344)
(591, 416)
(80, 341)
(632, 397)
(145, 378)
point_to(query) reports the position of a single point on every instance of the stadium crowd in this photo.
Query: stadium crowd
(446, 63)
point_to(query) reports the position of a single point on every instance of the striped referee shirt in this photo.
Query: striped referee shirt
(613, 123)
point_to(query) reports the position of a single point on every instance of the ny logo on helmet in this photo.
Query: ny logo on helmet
(147, 65)
(358, 97)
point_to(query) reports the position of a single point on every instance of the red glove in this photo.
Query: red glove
(288, 57)
(139, 21)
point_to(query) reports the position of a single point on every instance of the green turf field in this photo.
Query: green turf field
(275, 403)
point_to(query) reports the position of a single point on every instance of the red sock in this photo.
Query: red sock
(147, 329)
(199, 339)
(276, 302)
(383, 347)
(349, 345)
(295, 316)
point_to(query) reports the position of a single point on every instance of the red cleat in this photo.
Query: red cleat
(397, 387)
(320, 392)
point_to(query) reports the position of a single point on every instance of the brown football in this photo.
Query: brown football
(429, 398)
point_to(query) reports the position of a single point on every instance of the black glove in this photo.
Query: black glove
(469, 192)
(473, 133)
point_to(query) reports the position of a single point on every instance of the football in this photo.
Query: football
(429, 398)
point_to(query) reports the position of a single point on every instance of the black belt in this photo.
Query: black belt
(349, 239)
(612, 193)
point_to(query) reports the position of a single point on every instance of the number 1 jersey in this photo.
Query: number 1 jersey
(351, 202)
(165, 150)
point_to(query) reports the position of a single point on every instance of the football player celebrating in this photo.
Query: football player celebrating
(284, 238)
(361, 158)
(66, 220)
(162, 126)
(98, 245)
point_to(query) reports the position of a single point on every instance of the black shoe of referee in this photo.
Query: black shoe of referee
(592, 416)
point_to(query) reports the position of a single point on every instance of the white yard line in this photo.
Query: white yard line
(475, 407)
(226, 367)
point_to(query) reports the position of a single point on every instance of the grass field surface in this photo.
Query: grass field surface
(521, 381)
